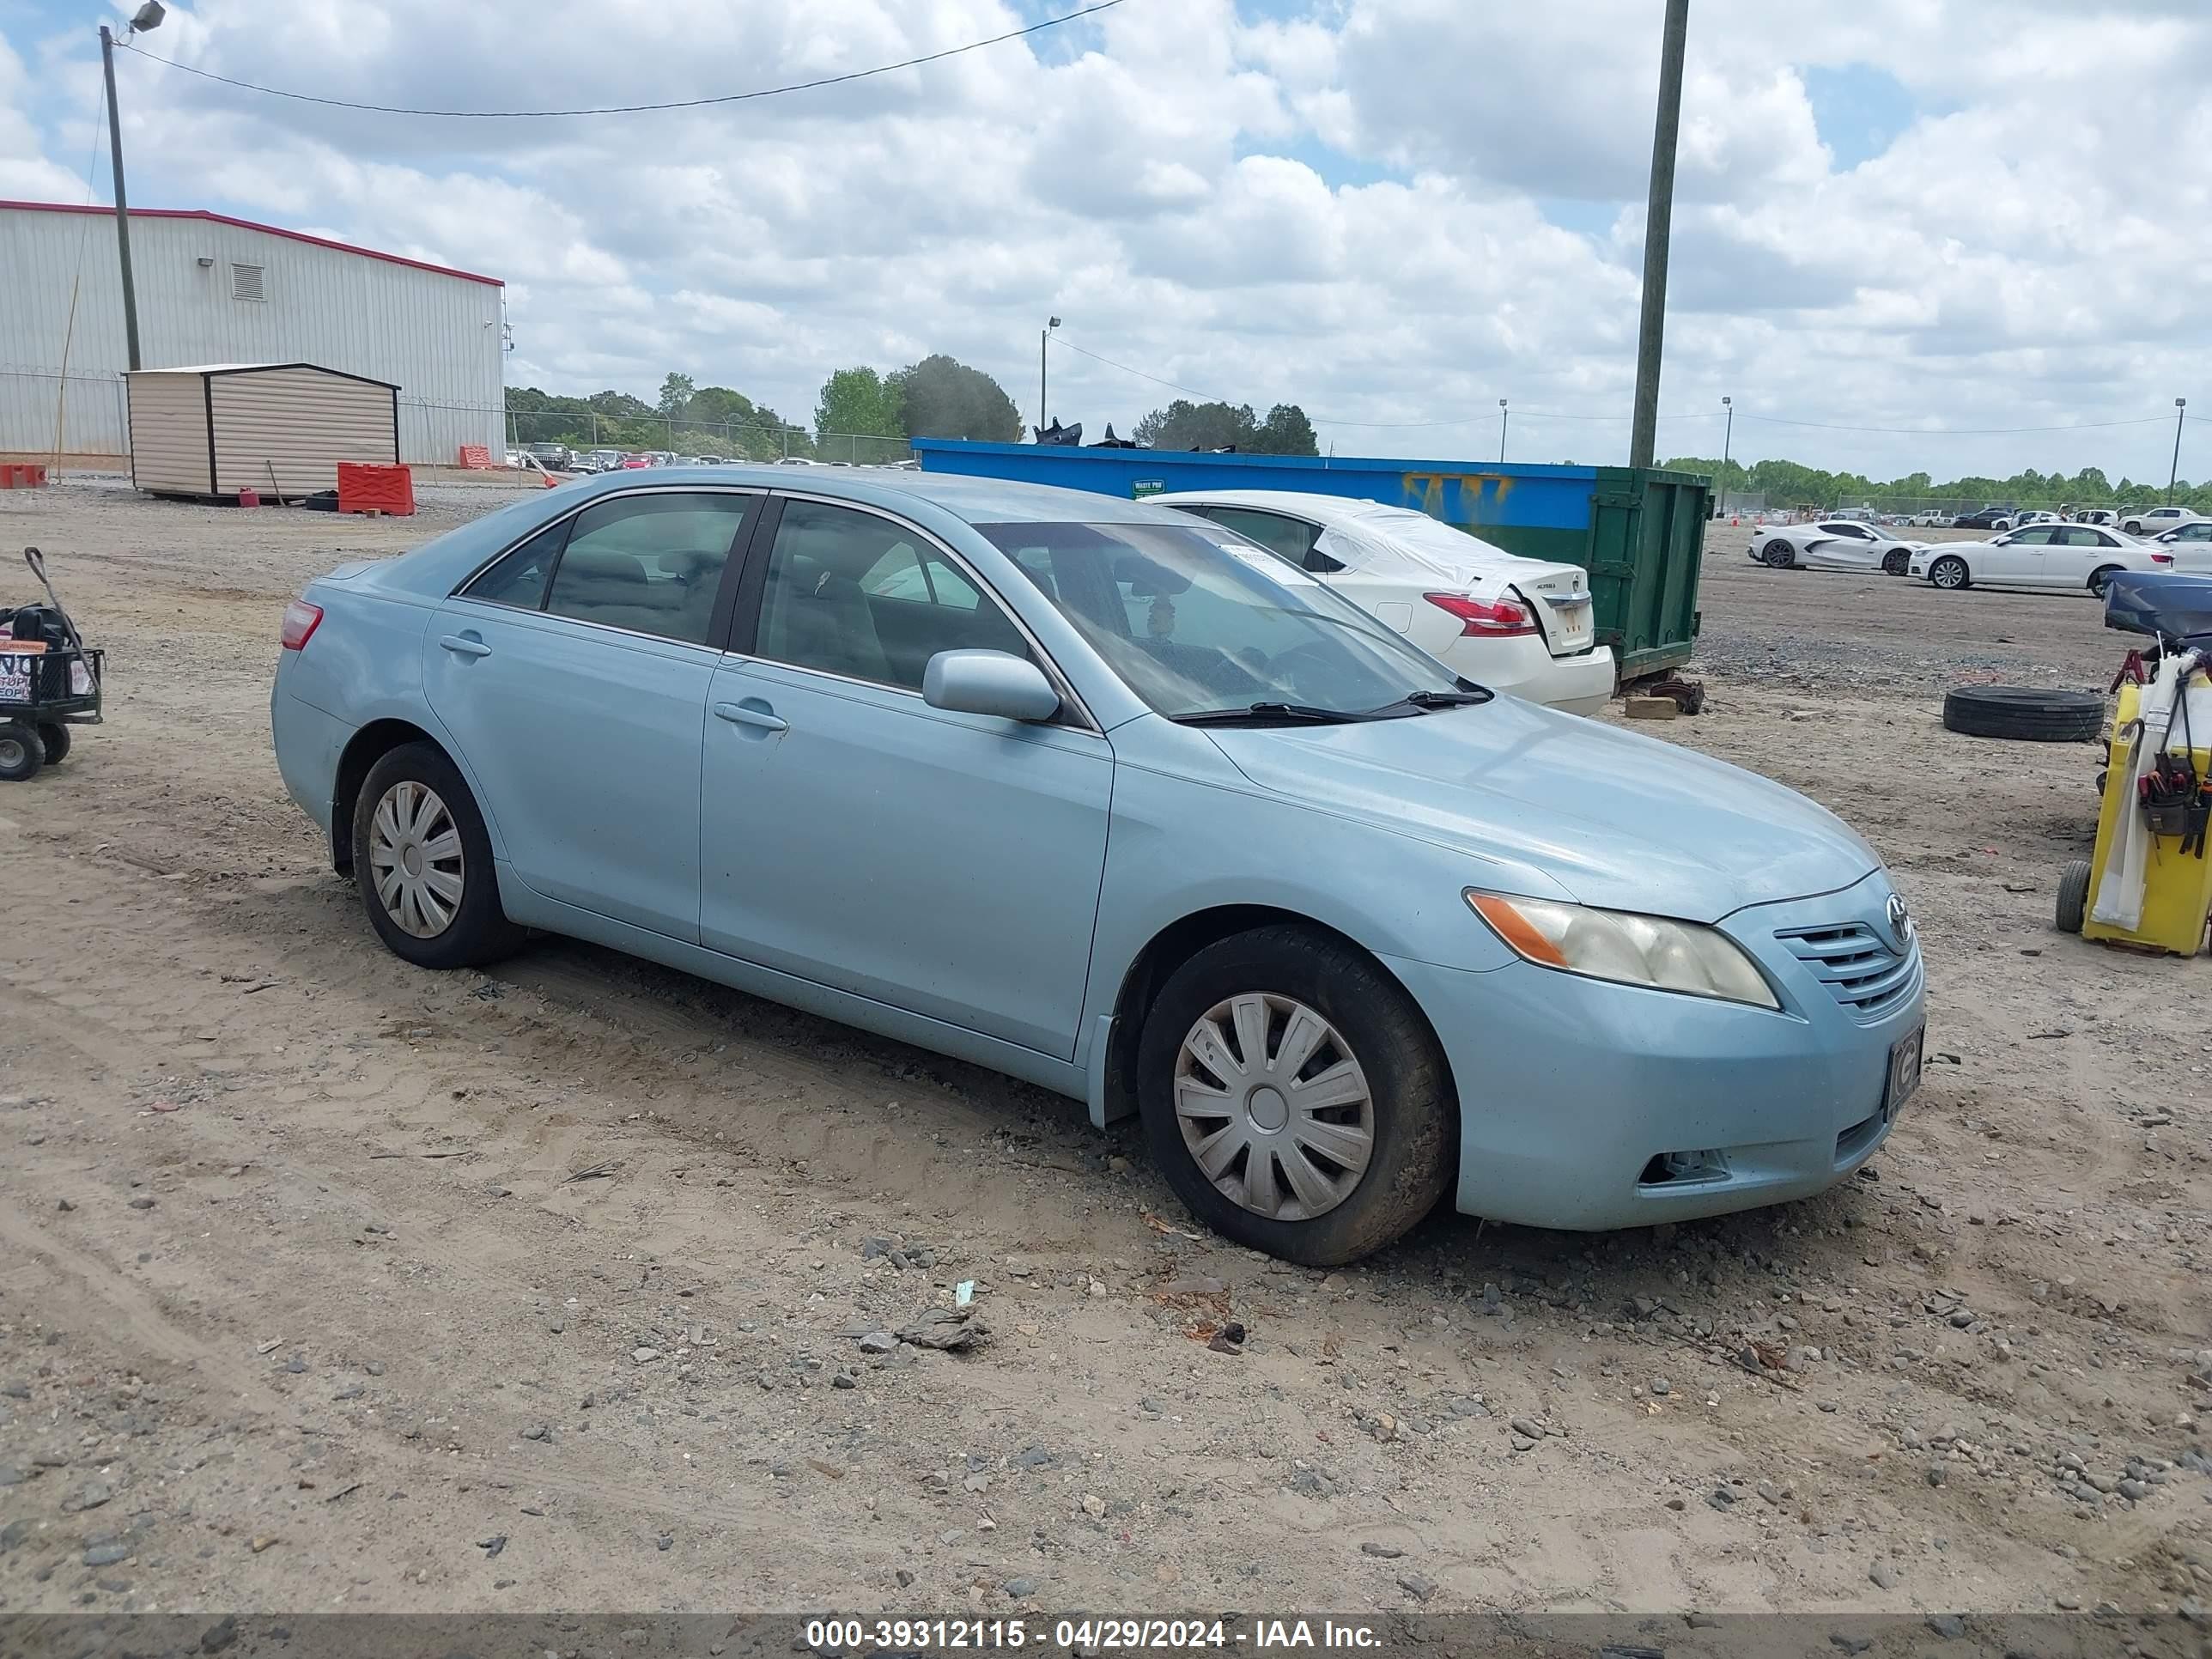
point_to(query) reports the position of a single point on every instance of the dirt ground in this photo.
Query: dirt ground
(329, 1284)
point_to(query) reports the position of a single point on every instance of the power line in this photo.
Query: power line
(1711, 415)
(629, 109)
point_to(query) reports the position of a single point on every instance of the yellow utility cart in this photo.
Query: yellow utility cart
(2177, 886)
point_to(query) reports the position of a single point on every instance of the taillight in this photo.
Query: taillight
(301, 622)
(1488, 618)
(2162, 558)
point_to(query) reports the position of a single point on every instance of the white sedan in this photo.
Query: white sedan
(1519, 625)
(2073, 558)
(1831, 545)
(2190, 546)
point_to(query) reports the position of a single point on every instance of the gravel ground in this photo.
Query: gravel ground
(329, 1283)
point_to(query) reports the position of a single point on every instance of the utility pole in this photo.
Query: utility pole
(1728, 437)
(121, 205)
(1501, 431)
(1658, 224)
(2174, 472)
(1044, 336)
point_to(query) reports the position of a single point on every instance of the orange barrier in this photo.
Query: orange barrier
(21, 474)
(476, 457)
(364, 487)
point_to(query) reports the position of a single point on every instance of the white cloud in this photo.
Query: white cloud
(1387, 210)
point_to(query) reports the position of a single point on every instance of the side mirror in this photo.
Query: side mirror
(989, 682)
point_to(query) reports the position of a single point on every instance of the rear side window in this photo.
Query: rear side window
(651, 564)
(518, 579)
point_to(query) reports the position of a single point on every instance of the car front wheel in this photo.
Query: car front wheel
(1295, 1097)
(1948, 574)
(422, 859)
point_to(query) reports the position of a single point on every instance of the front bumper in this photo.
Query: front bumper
(1573, 1090)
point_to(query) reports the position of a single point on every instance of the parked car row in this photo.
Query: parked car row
(2068, 558)
(1204, 841)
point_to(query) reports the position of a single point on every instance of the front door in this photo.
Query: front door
(573, 674)
(947, 864)
(2015, 559)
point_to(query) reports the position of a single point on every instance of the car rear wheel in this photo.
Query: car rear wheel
(2098, 577)
(1294, 1097)
(422, 860)
(1778, 554)
(1896, 562)
(1948, 574)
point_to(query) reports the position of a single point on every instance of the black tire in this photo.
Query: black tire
(1896, 562)
(2024, 714)
(1415, 1111)
(2132, 527)
(22, 753)
(2099, 576)
(56, 736)
(1950, 573)
(1778, 554)
(477, 931)
(2073, 897)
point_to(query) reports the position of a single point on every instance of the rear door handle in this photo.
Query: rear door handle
(462, 646)
(739, 714)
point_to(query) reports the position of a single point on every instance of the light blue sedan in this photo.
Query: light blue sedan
(1104, 796)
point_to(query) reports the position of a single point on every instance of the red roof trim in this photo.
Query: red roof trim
(248, 224)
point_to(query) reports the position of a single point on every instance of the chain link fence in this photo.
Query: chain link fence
(727, 441)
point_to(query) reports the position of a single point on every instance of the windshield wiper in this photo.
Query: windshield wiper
(1261, 712)
(1444, 699)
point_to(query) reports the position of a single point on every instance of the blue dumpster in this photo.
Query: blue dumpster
(1640, 534)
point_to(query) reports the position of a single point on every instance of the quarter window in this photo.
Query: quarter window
(651, 564)
(518, 579)
(848, 592)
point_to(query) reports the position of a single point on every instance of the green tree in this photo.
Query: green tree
(942, 397)
(1286, 432)
(1186, 425)
(858, 401)
(676, 393)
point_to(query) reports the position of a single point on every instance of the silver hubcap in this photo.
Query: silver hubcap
(415, 858)
(1273, 1108)
(13, 752)
(1948, 574)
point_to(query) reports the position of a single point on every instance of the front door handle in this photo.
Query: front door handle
(748, 713)
(464, 645)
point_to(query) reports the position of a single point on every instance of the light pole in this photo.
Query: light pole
(1728, 436)
(1658, 218)
(1501, 431)
(2174, 472)
(145, 20)
(1044, 336)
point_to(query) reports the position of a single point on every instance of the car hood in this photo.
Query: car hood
(1610, 817)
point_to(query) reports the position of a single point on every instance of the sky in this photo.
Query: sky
(1948, 217)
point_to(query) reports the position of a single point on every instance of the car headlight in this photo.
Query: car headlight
(1626, 948)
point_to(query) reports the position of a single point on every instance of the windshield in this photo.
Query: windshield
(1200, 620)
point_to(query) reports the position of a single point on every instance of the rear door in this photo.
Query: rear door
(573, 674)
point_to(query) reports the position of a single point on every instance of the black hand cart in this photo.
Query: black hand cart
(49, 682)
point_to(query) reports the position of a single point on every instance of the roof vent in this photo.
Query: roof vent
(245, 283)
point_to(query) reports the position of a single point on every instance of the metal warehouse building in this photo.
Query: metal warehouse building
(215, 289)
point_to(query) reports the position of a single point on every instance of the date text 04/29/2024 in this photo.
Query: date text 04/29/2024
(1083, 1635)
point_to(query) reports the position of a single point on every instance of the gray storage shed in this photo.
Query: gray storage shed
(275, 429)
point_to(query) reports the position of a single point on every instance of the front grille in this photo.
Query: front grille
(1858, 965)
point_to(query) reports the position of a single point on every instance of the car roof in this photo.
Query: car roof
(1326, 509)
(976, 501)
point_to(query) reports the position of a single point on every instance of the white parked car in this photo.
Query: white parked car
(2152, 520)
(1831, 545)
(1514, 624)
(2073, 558)
(1929, 521)
(2190, 546)
(2103, 515)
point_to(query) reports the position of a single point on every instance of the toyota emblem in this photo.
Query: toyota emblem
(1900, 921)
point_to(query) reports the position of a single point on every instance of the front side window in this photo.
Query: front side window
(1198, 622)
(651, 564)
(849, 593)
(2039, 535)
